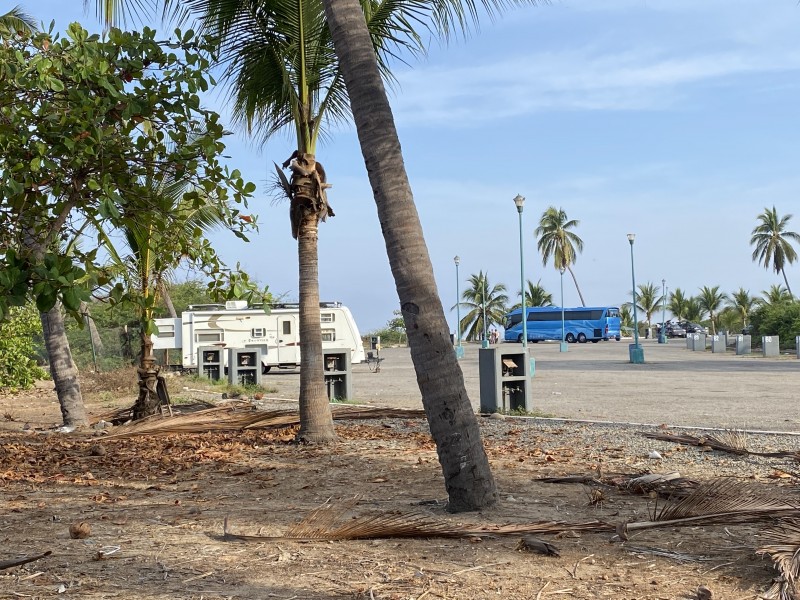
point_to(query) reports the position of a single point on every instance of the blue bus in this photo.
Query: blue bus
(583, 324)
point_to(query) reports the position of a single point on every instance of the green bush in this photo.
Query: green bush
(19, 335)
(782, 319)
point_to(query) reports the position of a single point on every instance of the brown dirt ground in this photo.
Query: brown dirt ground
(161, 501)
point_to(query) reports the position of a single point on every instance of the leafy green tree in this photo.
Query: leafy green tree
(781, 319)
(677, 303)
(712, 300)
(648, 300)
(18, 335)
(394, 332)
(773, 243)
(557, 242)
(479, 299)
(776, 294)
(626, 316)
(83, 169)
(185, 294)
(742, 304)
(535, 295)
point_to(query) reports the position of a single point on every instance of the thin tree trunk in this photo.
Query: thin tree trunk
(148, 400)
(786, 281)
(62, 368)
(454, 427)
(316, 420)
(164, 291)
(583, 302)
(94, 334)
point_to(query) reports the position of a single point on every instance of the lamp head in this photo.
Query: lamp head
(456, 259)
(631, 237)
(519, 201)
(663, 282)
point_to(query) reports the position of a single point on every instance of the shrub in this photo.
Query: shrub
(782, 319)
(18, 340)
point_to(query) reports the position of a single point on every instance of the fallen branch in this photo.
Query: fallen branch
(22, 561)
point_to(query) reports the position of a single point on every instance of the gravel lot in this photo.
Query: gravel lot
(596, 382)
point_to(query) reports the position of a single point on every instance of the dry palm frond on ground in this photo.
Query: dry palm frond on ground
(782, 544)
(665, 485)
(732, 443)
(244, 416)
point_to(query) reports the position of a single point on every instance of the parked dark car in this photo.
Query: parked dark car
(675, 330)
(693, 328)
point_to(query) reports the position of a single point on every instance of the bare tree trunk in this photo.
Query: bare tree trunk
(786, 281)
(316, 420)
(468, 477)
(148, 400)
(62, 368)
(583, 302)
(164, 291)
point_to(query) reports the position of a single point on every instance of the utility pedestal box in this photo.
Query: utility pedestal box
(743, 344)
(505, 378)
(244, 366)
(718, 344)
(337, 369)
(210, 362)
(797, 345)
(689, 341)
(698, 342)
(770, 345)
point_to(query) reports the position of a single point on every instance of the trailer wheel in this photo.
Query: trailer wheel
(581, 338)
(266, 369)
(570, 339)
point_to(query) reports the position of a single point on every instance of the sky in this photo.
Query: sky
(674, 120)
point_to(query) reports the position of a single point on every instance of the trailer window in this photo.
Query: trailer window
(327, 317)
(258, 332)
(287, 328)
(208, 337)
(328, 335)
(166, 331)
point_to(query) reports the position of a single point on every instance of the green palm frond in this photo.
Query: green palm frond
(115, 13)
(18, 20)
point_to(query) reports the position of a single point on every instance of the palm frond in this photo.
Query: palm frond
(18, 20)
(782, 544)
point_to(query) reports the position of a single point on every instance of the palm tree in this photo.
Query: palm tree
(535, 295)
(17, 20)
(711, 300)
(677, 303)
(153, 255)
(649, 299)
(742, 303)
(556, 241)
(468, 478)
(776, 294)
(773, 243)
(479, 299)
(694, 310)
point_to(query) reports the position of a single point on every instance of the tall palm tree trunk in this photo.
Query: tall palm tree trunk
(786, 281)
(62, 368)
(583, 302)
(316, 419)
(468, 477)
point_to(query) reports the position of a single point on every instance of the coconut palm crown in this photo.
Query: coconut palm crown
(557, 242)
(773, 243)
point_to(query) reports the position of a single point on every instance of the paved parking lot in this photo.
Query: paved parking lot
(596, 382)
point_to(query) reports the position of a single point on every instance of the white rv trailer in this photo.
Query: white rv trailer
(235, 325)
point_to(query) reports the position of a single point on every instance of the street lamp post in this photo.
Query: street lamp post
(459, 347)
(635, 351)
(662, 338)
(563, 346)
(485, 342)
(519, 201)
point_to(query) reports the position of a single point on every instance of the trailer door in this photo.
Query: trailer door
(288, 340)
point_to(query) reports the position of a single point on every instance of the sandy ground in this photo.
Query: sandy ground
(595, 381)
(156, 505)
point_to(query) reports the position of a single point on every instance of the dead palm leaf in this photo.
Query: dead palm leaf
(732, 441)
(782, 544)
